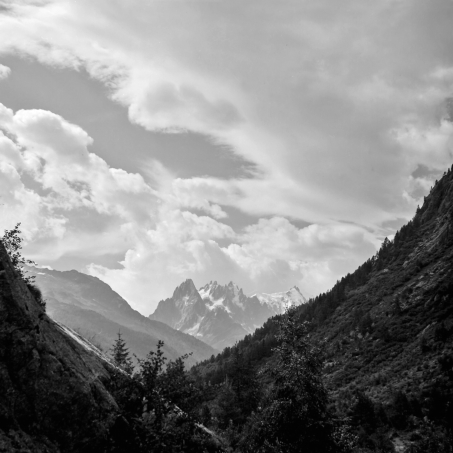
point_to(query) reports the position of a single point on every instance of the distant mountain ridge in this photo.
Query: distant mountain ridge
(283, 300)
(220, 315)
(89, 306)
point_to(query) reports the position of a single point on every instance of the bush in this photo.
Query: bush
(12, 242)
(37, 294)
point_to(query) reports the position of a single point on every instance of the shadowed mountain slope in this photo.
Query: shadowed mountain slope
(52, 394)
(92, 308)
(387, 328)
(60, 394)
(389, 325)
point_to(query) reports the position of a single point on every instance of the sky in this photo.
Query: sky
(268, 143)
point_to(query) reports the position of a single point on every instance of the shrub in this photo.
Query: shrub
(12, 242)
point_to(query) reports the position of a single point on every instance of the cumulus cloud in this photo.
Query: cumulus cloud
(335, 105)
(59, 190)
(71, 202)
(275, 246)
(271, 253)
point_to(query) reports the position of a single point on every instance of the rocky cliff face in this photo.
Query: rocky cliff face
(220, 315)
(52, 389)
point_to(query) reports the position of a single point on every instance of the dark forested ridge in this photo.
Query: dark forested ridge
(387, 331)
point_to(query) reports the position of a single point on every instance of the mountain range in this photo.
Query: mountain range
(220, 315)
(90, 307)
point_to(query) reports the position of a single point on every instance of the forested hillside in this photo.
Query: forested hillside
(387, 335)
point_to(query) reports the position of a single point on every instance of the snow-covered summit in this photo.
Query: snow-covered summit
(213, 291)
(219, 314)
(226, 296)
(279, 302)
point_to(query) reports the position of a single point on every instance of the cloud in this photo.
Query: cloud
(70, 202)
(270, 254)
(316, 252)
(172, 108)
(5, 71)
(432, 145)
(335, 105)
(274, 83)
(61, 191)
(182, 245)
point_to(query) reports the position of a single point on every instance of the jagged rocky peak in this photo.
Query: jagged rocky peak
(214, 292)
(221, 314)
(217, 314)
(185, 289)
(208, 289)
(295, 291)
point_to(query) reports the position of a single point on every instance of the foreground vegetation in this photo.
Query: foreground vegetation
(12, 241)
(173, 410)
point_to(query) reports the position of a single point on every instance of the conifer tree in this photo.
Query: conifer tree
(120, 355)
(296, 417)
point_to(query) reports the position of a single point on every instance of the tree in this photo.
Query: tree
(170, 397)
(12, 242)
(157, 407)
(296, 417)
(120, 355)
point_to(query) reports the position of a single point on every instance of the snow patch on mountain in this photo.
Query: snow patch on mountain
(220, 315)
(279, 302)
